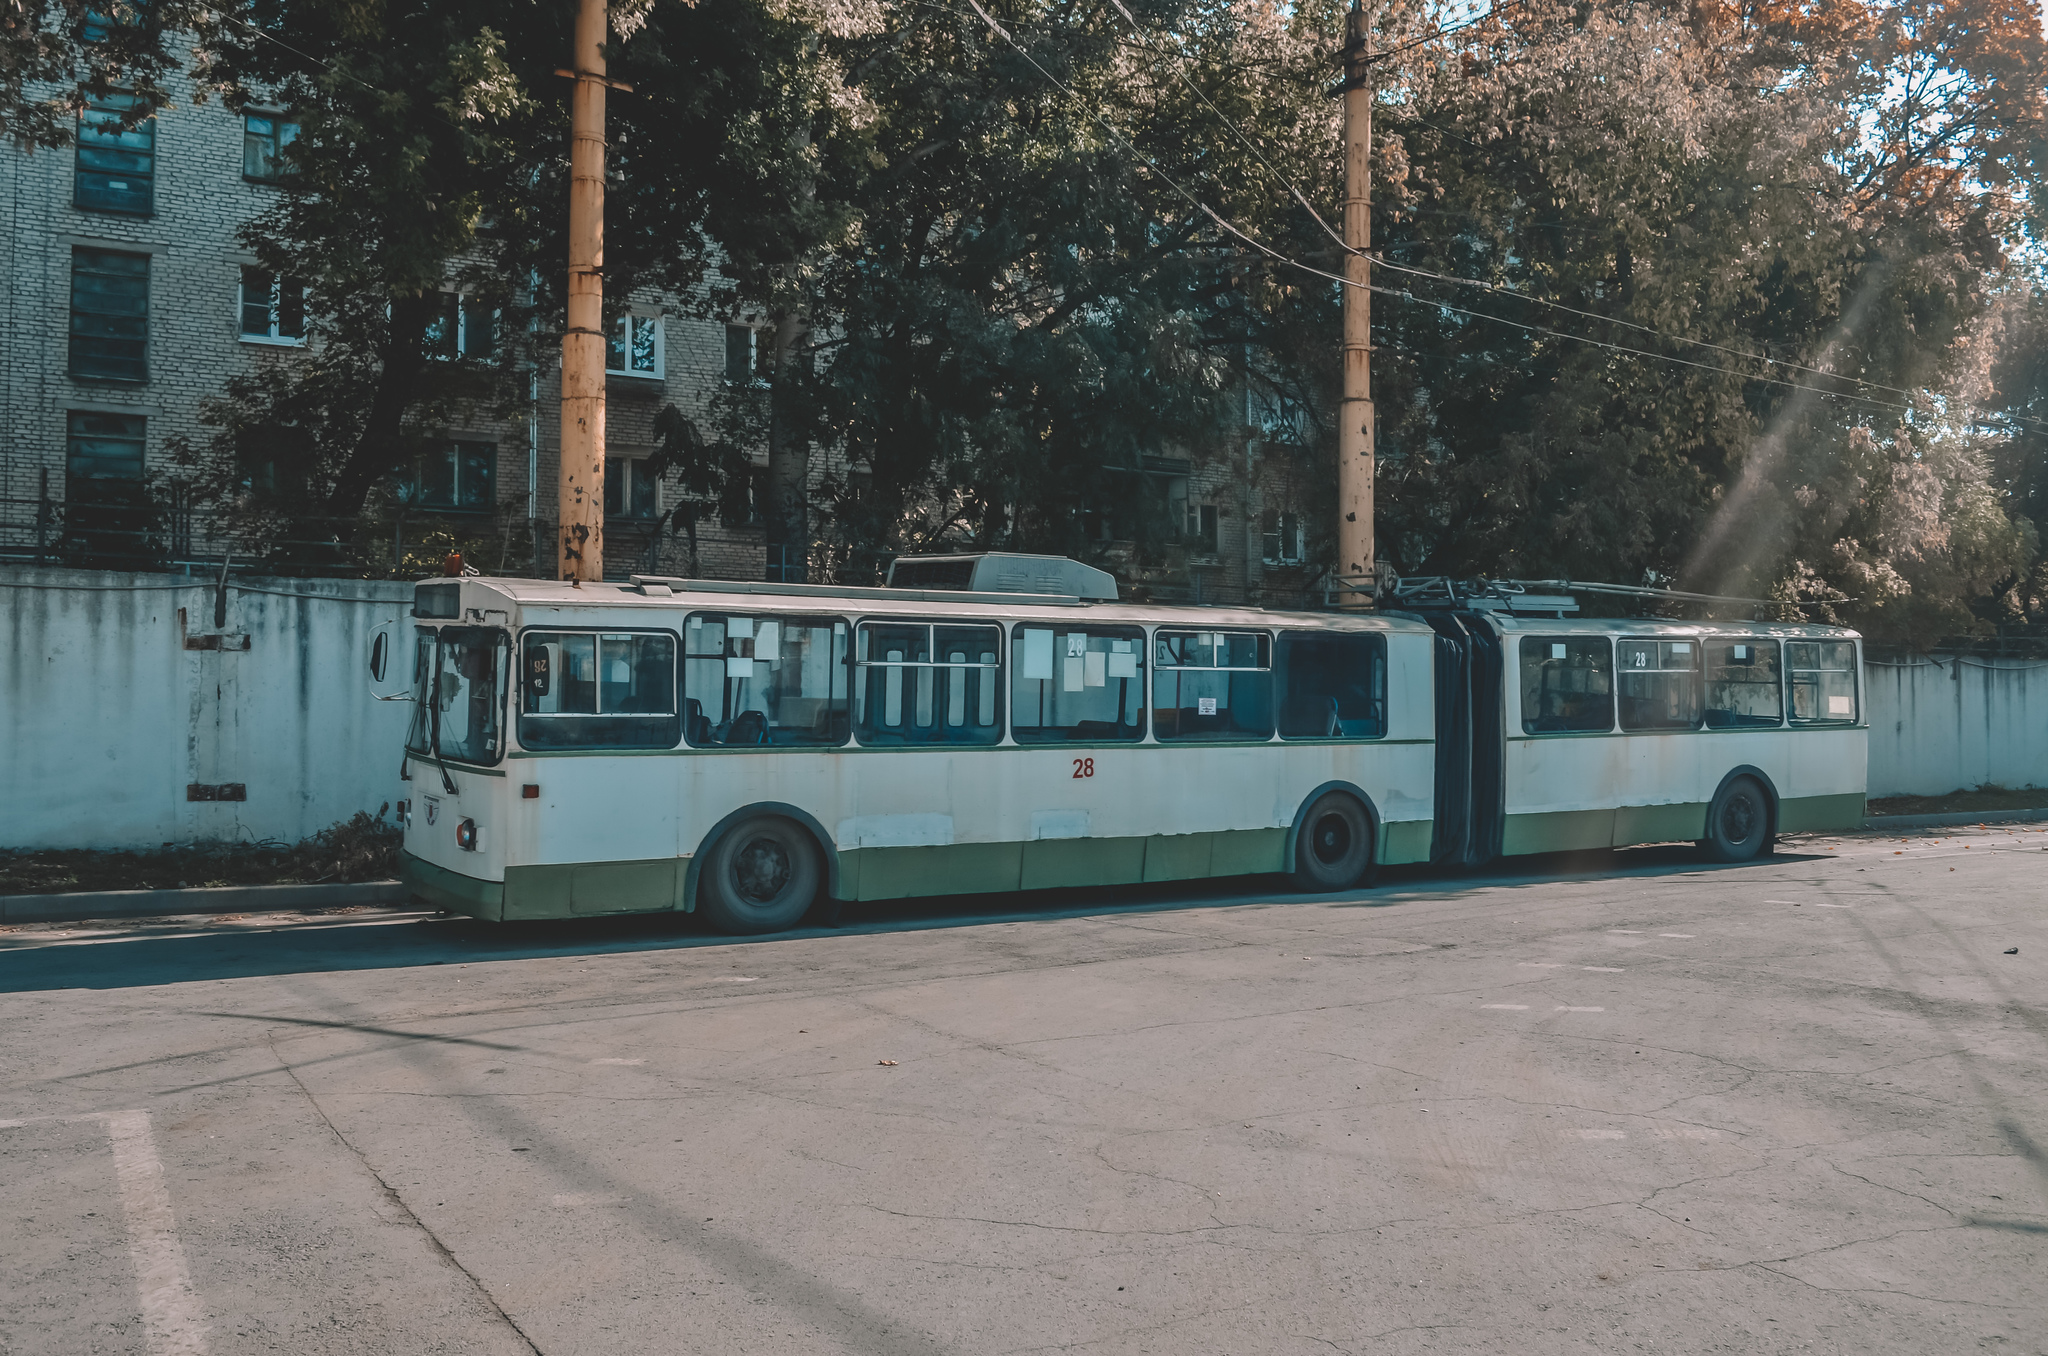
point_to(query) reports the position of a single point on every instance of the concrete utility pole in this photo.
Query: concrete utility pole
(1355, 576)
(580, 502)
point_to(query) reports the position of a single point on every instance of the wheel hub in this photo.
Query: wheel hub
(1331, 840)
(1738, 821)
(761, 870)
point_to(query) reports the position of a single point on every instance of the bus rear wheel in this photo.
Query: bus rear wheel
(1334, 849)
(761, 876)
(1739, 822)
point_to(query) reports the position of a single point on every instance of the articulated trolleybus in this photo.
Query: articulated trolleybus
(1002, 722)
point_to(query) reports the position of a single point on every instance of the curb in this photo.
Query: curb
(66, 908)
(1883, 822)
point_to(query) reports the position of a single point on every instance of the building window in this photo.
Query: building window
(458, 478)
(635, 347)
(116, 163)
(1204, 528)
(109, 315)
(264, 138)
(273, 308)
(629, 488)
(1281, 538)
(746, 357)
(464, 328)
(102, 455)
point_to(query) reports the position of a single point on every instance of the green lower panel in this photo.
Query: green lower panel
(451, 890)
(1178, 856)
(1248, 852)
(1660, 823)
(1405, 840)
(1817, 814)
(1557, 831)
(584, 889)
(1053, 862)
(908, 872)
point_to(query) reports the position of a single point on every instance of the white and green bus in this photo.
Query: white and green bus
(995, 722)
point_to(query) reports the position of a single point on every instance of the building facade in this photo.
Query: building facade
(130, 299)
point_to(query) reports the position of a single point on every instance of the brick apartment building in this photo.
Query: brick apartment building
(130, 299)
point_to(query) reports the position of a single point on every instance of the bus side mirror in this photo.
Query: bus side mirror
(387, 682)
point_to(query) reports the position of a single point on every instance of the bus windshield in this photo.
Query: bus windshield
(457, 678)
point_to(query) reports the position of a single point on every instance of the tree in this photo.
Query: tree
(59, 56)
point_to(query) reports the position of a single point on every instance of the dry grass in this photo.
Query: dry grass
(362, 847)
(1983, 800)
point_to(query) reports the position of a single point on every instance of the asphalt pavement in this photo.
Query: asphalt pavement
(1616, 1102)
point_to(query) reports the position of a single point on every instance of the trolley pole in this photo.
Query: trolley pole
(1355, 567)
(580, 491)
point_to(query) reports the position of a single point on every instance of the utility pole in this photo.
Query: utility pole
(580, 501)
(1355, 566)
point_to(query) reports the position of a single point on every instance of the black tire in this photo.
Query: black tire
(1333, 851)
(1739, 821)
(761, 876)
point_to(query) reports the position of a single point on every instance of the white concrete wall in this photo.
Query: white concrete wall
(1945, 724)
(105, 716)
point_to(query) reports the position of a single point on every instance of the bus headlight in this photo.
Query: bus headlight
(468, 836)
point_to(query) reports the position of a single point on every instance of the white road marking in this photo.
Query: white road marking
(739, 979)
(1507, 1007)
(1603, 969)
(1834, 906)
(1681, 936)
(1541, 965)
(171, 1323)
(618, 1061)
(1562, 1008)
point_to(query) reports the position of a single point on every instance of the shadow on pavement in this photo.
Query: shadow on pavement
(193, 950)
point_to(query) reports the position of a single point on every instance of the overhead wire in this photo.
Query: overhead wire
(1231, 228)
(1295, 191)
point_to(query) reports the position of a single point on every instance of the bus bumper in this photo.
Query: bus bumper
(441, 888)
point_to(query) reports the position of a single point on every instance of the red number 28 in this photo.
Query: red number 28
(1084, 767)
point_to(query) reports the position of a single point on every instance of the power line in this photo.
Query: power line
(1342, 244)
(1231, 228)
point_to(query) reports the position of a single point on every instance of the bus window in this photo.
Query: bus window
(1072, 682)
(1212, 685)
(1567, 684)
(462, 718)
(1660, 684)
(764, 681)
(919, 684)
(1332, 685)
(591, 690)
(1743, 691)
(1823, 681)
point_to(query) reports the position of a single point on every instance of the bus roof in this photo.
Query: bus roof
(1663, 626)
(559, 601)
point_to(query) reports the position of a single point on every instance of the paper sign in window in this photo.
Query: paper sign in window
(739, 628)
(1557, 652)
(1038, 655)
(1092, 669)
(1077, 644)
(1070, 679)
(1205, 706)
(739, 668)
(768, 642)
(1123, 663)
(1841, 706)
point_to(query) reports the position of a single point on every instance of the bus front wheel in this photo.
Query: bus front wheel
(1334, 849)
(761, 877)
(1739, 821)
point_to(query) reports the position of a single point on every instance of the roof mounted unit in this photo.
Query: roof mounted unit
(1481, 595)
(1004, 572)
